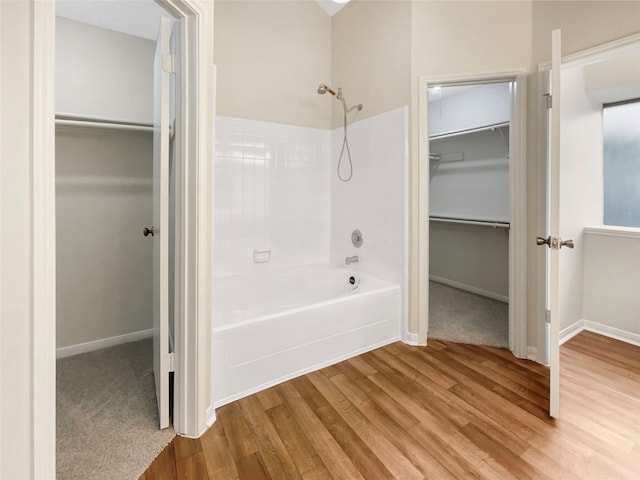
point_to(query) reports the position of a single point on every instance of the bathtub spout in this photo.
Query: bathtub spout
(350, 260)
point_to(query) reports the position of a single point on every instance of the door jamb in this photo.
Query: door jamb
(517, 207)
(193, 412)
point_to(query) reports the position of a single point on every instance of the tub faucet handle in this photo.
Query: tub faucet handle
(350, 260)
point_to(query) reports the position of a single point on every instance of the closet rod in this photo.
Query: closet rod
(468, 221)
(89, 121)
(470, 130)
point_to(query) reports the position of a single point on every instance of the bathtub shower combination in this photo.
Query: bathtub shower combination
(297, 284)
(274, 327)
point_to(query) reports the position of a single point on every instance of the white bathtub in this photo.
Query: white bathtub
(272, 327)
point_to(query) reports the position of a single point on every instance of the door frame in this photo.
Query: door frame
(601, 51)
(193, 409)
(517, 203)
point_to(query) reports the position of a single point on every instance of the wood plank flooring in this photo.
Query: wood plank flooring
(437, 412)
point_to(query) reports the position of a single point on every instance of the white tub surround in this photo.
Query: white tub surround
(271, 194)
(375, 201)
(281, 218)
(270, 328)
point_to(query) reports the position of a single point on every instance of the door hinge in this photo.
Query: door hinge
(171, 359)
(549, 100)
(169, 63)
(547, 316)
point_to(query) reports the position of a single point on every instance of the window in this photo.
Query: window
(621, 128)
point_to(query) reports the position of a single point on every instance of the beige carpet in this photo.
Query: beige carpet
(107, 420)
(463, 317)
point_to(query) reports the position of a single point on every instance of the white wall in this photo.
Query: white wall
(103, 73)
(271, 192)
(104, 263)
(580, 185)
(599, 278)
(374, 201)
(611, 280)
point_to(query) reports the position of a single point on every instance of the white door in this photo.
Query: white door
(161, 357)
(552, 241)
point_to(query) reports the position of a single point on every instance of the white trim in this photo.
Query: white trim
(469, 288)
(554, 226)
(46, 436)
(211, 416)
(405, 307)
(79, 348)
(532, 353)
(613, 231)
(601, 329)
(303, 371)
(411, 339)
(194, 218)
(43, 274)
(571, 331)
(612, 332)
(600, 52)
(518, 219)
(422, 209)
(517, 209)
(595, 54)
(541, 210)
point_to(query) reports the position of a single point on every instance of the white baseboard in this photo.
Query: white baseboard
(612, 332)
(571, 331)
(601, 329)
(469, 288)
(211, 416)
(102, 343)
(532, 353)
(411, 339)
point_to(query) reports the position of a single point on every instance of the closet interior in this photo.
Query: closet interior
(469, 213)
(104, 199)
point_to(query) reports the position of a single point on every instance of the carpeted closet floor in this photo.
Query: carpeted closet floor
(463, 317)
(106, 414)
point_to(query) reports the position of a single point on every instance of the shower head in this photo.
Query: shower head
(322, 89)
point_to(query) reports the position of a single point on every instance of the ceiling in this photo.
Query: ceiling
(135, 17)
(330, 7)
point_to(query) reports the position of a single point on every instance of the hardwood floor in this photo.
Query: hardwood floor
(437, 412)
